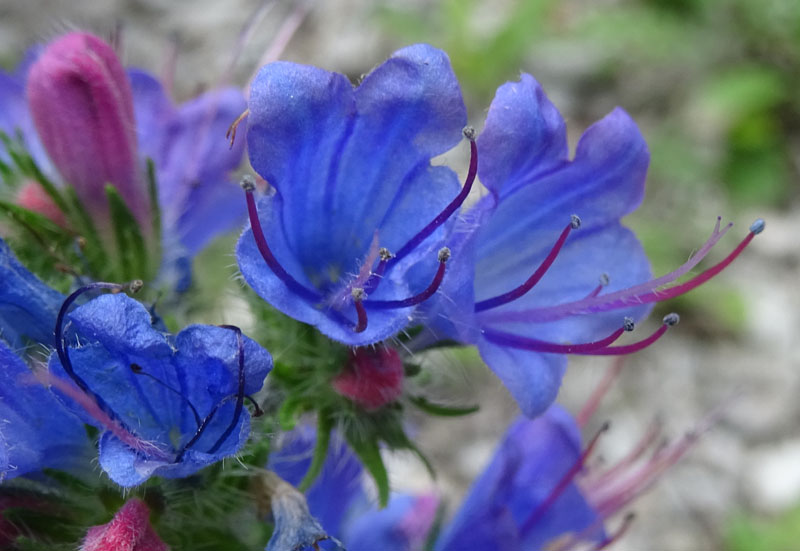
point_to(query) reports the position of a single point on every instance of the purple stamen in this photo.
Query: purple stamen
(514, 294)
(669, 321)
(535, 345)
(639, 294)
(442, 217)
(359, 295)
(618, 533)
(261, 242)
(62, 350)
(562, 484)
(604, 281)
(237, 412)
(444, 256)
(376, 276)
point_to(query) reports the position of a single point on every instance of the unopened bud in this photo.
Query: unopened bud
(129, 529)
(82, 105)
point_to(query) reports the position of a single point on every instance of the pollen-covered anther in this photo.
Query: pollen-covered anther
(469, 133)
(628, 324)
(385, 254)
(671, 319)
(135, 286)
(575, 221)
(248, 183)
(444, 254)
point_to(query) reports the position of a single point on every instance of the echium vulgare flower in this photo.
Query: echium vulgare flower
(89, 124)
(553, 270)
(167, 405)
(538, 492)
(352, 239)
(35, 432)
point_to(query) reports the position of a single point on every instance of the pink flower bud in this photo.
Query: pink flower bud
(33, 197)
(372, 378)
(82, 105)
(129, 530)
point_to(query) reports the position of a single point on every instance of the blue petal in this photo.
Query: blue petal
(530, 462)
(533, 379)
(401, 526)
(36, 432)
(15, 117)
(28, 307)
(524, 136)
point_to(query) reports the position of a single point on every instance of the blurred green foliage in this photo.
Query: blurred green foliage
(779, 534)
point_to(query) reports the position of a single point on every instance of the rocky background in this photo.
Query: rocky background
(738, 344)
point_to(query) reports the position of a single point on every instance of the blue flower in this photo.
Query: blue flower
(168, 406)
(351, 240)
(543, 266)
(35, 430)
(28, 307)
(192, 159)
(527, 497)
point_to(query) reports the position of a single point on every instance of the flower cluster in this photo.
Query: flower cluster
(365, 250)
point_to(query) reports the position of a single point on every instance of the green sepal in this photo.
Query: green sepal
(38, 225)
(440, 410)
(96, 256)
(370, 455)
(289, 411)
(155, 207)
(28, 167)
(324, 427)
(131, 246)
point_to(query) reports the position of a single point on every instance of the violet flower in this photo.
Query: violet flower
(351, 241)
(544, 267)
(538, 492)
(167, 405)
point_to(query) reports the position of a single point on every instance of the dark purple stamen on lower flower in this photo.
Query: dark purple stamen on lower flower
(531, 282)
(61, 345)
(237, 412)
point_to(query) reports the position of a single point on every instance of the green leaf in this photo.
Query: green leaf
(324, 427)
(370, 455)
(443, 411)
(132, 249)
